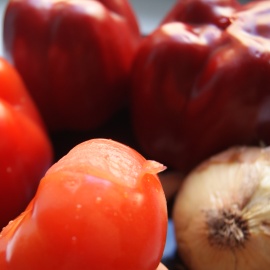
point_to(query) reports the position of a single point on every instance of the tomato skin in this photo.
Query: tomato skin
(25, 149)
(82, 219)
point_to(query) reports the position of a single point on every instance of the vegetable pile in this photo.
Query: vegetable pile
(90, 108)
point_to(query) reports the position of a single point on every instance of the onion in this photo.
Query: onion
(222, 212)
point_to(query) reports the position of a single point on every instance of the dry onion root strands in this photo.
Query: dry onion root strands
(222, 212)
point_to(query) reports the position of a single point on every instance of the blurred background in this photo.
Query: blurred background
(151, 12)
(3, 4)
(2, 8)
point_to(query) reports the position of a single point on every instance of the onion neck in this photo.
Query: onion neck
(227, 228)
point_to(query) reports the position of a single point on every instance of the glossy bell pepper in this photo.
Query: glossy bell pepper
(25, 149)
(74, 57)
(217, 12)
(201, 85)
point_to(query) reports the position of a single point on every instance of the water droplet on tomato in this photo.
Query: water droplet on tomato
(74, 238)
(98, 199)
(72, 184)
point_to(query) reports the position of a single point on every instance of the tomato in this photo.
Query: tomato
(101, 206)
(25, 148)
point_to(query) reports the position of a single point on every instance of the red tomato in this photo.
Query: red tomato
(25, 149)
(99, 207)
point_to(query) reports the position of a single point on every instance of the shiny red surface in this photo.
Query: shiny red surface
(74, 57)
(200, 88)
(101, 206)
(25, 149)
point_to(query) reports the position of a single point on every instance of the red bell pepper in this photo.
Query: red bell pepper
(25, 150)
(74, 56)
(200, 85)
(217, 12)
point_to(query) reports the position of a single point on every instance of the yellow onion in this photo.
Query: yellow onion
(222, 212)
